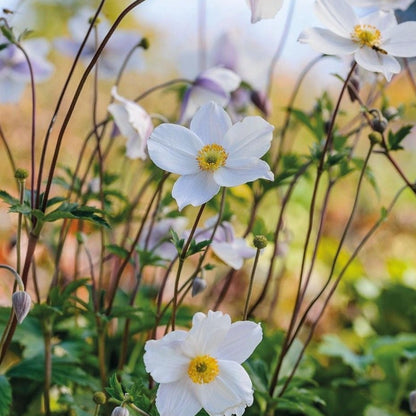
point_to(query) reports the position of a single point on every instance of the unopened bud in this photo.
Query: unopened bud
(120, 411)
(198, 286)
(412, 401)
(21, 174)
(379, 124)
(144, 43)
(375, 137)
(391, 113)
(261, 101)
(21, 304)
(260, 241)
(99, 397)
(353, 88)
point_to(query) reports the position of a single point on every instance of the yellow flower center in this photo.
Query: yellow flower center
(211, 157)
(203, 369)
(367, 35)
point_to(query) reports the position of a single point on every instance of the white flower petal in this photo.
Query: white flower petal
(210, 123)
(338, 16)
(372, 60)
(174, 148)
(250, 137)
(383, 4)
(239, 171)
(230, 393)
(177, 399)
(206, 334)
(264, 9)
(240, 342)
(227, 253)
(381, 19)
(164, 359)
(228, 80)
(194, 189)
(401, 40)
(325, 41)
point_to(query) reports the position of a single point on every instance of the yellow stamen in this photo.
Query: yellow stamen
(203, 369)
(367, 35)
(211, 157)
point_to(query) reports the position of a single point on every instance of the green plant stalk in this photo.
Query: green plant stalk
(101, 347)
(250, 286)
(21, 184)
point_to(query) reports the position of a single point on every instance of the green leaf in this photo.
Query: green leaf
(115, 390)
(6, 197)
(5, 396)
(394, 139)
(117, 250)
(75, 211)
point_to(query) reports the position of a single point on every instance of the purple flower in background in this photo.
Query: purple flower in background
(14, 69)
(227, 247)
(214, 84)
(115, 51)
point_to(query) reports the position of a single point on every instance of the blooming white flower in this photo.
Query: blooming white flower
(202, 368)
(134, 123)
(212, 153)
(264, 9)
(214, 84)
(382, 4)
(374, 40)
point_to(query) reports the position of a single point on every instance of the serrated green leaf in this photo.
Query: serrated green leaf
(117, 250)
(21, 209)
(394, 139)
(6, 197)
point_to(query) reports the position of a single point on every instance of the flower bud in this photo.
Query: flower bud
(99, 397)
(375, 137)
(198, 286)
(391, 113)
(379, 124)
(260, 241)
(21, 304)
(261, 101)
(412, 401)
(120, 411)
(21, 174)
(144, 43)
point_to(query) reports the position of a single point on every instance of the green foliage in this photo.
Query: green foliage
(5, 396)
(394, 139)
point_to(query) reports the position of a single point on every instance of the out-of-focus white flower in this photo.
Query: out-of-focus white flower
(227, 247)
(202, 368)
(374, 40)
(14, 69)
(211, 154)
(382, 4)
(264, 9)
(115, 51)
(158, 242)
(214, 84)
(133, 122)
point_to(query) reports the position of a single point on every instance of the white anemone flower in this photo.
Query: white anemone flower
(383, 4)
(134, 123)
(202, 368)
(211, 154)
(264, 9)
(374, 40)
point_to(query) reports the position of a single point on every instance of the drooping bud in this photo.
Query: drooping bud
(261, 101)
(379, 124)
(260, 241)
(198, 285)
(120, 411)
(144, 43)
(412, 401)
(99, 397)
(21, 302)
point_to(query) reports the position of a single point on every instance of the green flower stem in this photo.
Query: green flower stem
(8, 151)
(250, 286)
(182, 258)
(16, 275)
(21, 184)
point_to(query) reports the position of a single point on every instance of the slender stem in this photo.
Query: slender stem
(182, 258)
(77, 95)
(61, 97)
(250, 286)
(280, 47)
(8, 151)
